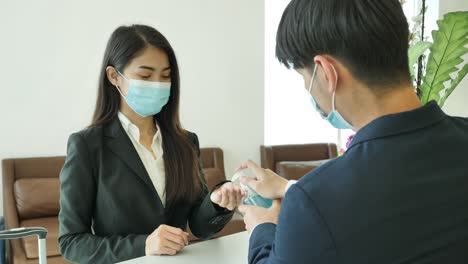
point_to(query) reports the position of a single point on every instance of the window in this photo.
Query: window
(289, 116)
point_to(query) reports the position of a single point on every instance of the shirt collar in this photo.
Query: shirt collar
(134, 131)
(400, 123)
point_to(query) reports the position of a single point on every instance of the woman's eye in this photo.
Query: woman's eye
(144, 77)
(167, 77)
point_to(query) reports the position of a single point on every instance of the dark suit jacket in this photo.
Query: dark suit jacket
(109, 205)
(398, 195)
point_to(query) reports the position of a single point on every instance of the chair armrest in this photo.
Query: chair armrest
(23, 232)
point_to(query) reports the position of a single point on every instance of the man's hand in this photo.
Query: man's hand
(267, 183)
(166, 240)
(254, 215)
(228, 196)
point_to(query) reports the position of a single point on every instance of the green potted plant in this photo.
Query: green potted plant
(438, 67)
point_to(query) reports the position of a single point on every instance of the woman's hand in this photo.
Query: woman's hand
(228, 196)
(267, 183)
(166, 240)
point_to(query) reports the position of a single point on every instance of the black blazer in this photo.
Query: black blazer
(398, 195)
(108, 204)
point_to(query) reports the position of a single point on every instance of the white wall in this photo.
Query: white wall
(457, 103)
(51, 51)
(289, 116)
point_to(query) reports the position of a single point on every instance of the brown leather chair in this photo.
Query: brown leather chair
(294, 161)
(31, 192)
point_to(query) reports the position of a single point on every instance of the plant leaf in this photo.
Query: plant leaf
(461, 74)
(415, 52)
(445, 54)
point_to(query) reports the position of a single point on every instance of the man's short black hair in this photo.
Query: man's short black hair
(370, 37)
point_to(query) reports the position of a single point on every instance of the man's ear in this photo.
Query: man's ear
(112, 76)
(329, 71)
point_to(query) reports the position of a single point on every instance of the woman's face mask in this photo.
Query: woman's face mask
(146, 98)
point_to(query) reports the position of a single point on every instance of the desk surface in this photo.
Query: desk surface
(231, 249)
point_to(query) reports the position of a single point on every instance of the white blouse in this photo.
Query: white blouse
(154, 167)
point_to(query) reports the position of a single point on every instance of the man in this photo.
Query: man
(400, 192)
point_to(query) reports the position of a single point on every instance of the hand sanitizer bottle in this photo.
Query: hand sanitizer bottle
(253, 198)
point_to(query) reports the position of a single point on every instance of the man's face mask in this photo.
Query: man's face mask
(334, 117)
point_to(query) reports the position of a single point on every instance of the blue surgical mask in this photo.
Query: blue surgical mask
(146, 98)
(334, 117)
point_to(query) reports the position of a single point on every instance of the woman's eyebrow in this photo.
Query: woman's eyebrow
(146, 68)
(152, 69)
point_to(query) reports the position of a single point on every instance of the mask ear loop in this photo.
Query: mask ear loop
(120, 92)
(118, 88)
(312, 79)
(122, 75)
(334, 92)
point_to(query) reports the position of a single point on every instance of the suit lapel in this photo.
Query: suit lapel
(119, 143)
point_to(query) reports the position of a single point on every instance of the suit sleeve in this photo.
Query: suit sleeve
(77, 199)
(206, 218)
(301, 235)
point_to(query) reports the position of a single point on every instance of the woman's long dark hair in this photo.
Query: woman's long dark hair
(183, 180)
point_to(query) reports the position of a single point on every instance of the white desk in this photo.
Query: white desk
(231, 249)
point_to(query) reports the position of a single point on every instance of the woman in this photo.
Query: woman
(132, 181)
